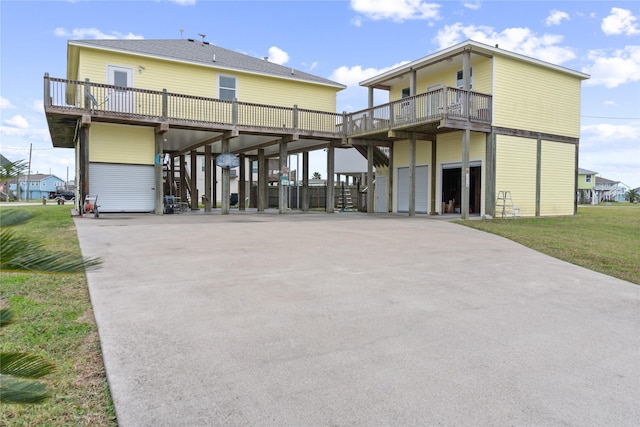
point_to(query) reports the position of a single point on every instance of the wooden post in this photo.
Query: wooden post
(464, 184)
(226, 181)
(390, 182)
(157, 172)
(241, 183)
(304, 198)
(434, 177)
(252, 203)
(282, 189)
(182, 179)
(84, 168)
(370, 188)
(207, 178)
(263, 177)
(193, 182)
(330, 191)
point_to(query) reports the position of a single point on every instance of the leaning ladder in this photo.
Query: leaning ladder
(506, 201)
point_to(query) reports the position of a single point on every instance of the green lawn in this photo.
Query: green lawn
(54, 319)
(604, 238)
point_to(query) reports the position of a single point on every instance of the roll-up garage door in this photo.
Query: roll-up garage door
(422, 189)
(122, 188)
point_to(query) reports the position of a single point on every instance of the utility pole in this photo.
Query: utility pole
(26, 187)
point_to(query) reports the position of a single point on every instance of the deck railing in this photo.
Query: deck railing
(449, 103)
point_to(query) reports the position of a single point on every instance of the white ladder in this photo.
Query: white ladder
(506, 202)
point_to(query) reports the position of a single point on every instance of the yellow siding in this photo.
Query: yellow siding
(482, 76)
(557, 178)
(401, 153)
(198, 80)
(121, 144)
(516, 172)
(531, 97)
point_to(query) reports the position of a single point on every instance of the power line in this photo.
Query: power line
(612, 118)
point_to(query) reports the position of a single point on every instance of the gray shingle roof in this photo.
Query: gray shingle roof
(586, 172)
(196, 51)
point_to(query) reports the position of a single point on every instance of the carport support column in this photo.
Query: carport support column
(226, 181)
(412, 174)
(304, 198)
(263, 177)
(390, 181)
(370, 188)
(193, 182)
(183, 180)
(157, 169)
(84, 166)
(464, 184)
(282, 190)
(242, 183)
(434, 176)
(490, 176)
(330, 193)
(207, 178)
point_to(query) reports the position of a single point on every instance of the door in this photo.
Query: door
(422, 189)
(119, 99)
(122, 188)
(381, 194)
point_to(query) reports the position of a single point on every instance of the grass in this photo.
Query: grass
(604, 238)
(54, 319)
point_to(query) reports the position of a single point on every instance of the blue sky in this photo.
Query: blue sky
(346, 41)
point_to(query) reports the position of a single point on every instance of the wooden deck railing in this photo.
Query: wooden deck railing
(126, 102)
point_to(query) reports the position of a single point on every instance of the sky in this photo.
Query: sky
(346, 41)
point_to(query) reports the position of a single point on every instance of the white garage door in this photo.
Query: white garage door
(422, 189)
(122, 188)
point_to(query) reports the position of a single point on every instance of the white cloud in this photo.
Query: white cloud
(520, 40)
(5, 104)
(556, 17)
(37, 105)
(612, 70)
(357, 21)
(612, 150)
(610, 103)
(620, 21)
(18, 122)
(397, 10)
(278, 56)
(184, 2)
(93, 33)
(472, 5)
(351, 76)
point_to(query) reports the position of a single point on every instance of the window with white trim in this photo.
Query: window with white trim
(227, 88)
(588, 178)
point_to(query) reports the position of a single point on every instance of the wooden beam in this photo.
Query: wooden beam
(282, 190)
(208, 164)
(535, 135)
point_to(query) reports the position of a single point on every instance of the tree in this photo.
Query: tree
(633, 195)
(18, 370)
(316, 175)
(10, 171)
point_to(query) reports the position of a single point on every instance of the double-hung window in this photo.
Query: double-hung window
(227, 88)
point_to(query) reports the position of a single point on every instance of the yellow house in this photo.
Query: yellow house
(472, 129)
(475, 130)
(133, 109)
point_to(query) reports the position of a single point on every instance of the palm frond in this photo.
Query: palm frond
(24, 365)
(6, 317)
(20, 391)
(9, 217)
(22, 254)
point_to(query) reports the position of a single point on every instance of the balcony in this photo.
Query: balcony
(445, 109)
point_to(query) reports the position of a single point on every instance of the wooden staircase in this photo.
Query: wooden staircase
(380, 158)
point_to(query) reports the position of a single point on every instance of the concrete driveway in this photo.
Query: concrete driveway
(354, 320)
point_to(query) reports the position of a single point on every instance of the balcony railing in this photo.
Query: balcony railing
(131, 103)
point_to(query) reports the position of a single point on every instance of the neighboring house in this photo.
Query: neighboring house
(463, 126)
(586, 187)
(38, 186)
(610, 191)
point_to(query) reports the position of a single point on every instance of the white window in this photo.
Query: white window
(227, 88)
(588, 178)
(460, 80)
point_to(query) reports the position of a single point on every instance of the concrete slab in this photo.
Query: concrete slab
(349, 319)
